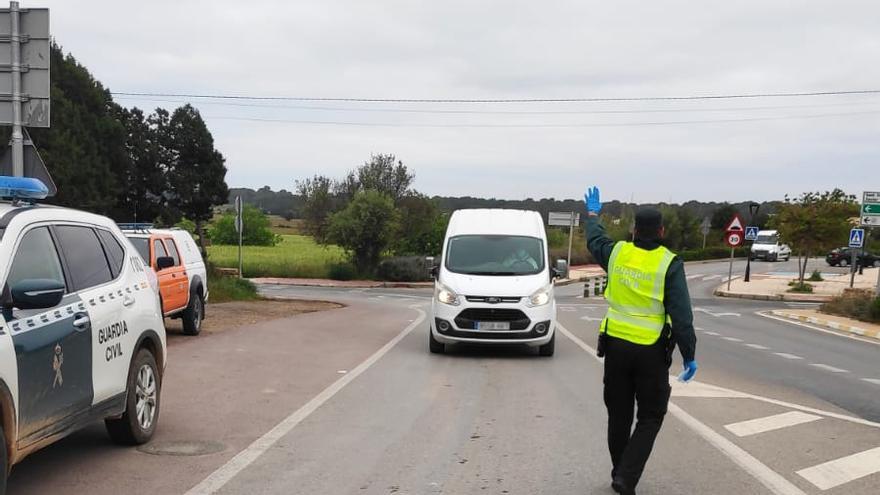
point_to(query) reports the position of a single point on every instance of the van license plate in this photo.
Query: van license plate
(493, 325)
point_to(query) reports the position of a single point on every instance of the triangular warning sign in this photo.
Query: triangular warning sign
(735, 225)
(33, 164)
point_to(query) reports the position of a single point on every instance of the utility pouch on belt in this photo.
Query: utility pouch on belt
(600, 345)
(670, 345)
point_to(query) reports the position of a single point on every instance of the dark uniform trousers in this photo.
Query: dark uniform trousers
(635, 374)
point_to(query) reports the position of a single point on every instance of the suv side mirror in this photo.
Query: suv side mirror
(561, 269)
(163, 262)
(37, 293)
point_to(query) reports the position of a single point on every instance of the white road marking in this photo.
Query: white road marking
(758, 346)
(875, 381)
(828, 368)
(712, 313)
(732, 339)
(818, 329)
(840, 471)
(711, 277)
(787, 356)
(591, 318)
(219, 478)
(699, 328)
(715, 334)
(770, 423)
(775, 482)
(693, 276)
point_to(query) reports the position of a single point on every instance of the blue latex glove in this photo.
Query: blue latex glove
(690, 369)
(591, 200)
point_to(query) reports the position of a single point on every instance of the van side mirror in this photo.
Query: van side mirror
(163, 262)
(432, 266)
(561, 269)
(37, 293)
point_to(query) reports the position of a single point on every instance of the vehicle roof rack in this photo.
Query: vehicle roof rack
(142, 227)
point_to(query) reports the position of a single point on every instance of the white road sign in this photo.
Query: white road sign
(563, 219)
(34, 53)
(870, 213)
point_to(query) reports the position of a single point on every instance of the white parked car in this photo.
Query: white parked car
(82, 337)
(768, 247)
(493, 285)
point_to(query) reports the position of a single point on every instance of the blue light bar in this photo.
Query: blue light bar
(22, 188)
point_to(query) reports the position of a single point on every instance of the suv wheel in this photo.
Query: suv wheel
(193, 314)
(138, 423)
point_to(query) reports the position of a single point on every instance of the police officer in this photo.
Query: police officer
(649, 312)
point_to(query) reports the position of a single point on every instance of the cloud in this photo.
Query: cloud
(513, 49)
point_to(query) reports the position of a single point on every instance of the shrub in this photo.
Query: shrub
(229, 288)
(404, 269)
(800, 287)
(342, 271)
(860, 304)
(816, 276)
(257, 231)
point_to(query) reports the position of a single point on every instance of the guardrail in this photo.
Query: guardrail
(595, 286)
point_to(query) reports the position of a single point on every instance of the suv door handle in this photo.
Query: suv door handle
(81, 322)
(127, 301)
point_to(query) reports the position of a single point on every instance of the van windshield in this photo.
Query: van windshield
(767, 239)
(495, 255)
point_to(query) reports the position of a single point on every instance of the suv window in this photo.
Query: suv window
(172, 251)
(84, 255)
(142, 245)
(36, 258)
(114, 250)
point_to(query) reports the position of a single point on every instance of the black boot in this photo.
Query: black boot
(622, 487)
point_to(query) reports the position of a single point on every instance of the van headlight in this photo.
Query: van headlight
(540, 298)
(446, 295)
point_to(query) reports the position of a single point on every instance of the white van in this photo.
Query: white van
(768, 247)
(493, 284)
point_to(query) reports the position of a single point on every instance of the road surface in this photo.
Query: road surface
(350, 401)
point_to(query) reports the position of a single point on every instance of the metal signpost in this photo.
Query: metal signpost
(565, 219)
(24, 75)
(239, 227)
(856, 241)
(704, 228)
(734, 239)
(870, 217)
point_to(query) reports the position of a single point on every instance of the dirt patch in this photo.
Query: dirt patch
(228, 315)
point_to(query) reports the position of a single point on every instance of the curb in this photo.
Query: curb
(874, 334)
(717, 260)
(813, 298)
(344, 285)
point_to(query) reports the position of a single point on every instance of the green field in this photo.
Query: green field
(296, 256)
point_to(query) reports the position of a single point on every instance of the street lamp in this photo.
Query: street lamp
(753, 210)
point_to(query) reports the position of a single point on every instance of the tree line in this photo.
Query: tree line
(131, 166)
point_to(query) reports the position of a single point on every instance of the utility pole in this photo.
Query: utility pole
(570, 236)
(17, 134)
(753, 210)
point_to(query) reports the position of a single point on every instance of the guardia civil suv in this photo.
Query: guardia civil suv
(81, 338)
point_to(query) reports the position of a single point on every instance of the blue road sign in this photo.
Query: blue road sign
(751, 233)
(856, 238)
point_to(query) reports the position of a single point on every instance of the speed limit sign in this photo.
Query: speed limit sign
(734, 239)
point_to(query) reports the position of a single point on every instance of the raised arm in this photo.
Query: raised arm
(598, 242)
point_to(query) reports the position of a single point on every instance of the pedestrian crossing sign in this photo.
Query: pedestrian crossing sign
(751, 233)
(856, 238)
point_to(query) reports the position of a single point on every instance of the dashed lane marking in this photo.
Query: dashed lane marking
(840, 471)
(711, 277)
(732, 339)
(694, 275)
(818, 329)
(225, 473)
(758, 346)
(828, 368)
(714, 334)
(875, 381)
(770, 423)
(787, 356)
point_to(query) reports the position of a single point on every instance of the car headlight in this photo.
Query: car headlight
(540, 298)
(446, 295)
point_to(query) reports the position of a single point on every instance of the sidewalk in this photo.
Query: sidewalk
(833, 322)
(580, 273)
(768, 287)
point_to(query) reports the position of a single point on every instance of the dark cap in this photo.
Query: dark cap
(648, 223)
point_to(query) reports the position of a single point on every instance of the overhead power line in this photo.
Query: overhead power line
(538, 125)
(500, 100)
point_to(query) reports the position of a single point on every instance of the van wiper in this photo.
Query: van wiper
(493, 273)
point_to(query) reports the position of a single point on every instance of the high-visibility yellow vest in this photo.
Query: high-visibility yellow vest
(636, 286)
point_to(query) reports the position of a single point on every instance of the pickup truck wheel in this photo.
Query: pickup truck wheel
(138, 422)
(549, 348)
(193, 314)
(4, 467)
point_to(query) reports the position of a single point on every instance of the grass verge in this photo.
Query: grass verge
(860, 304)
(296, 256)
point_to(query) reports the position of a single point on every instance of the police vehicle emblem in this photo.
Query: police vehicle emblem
(57, 361)
(493, 300)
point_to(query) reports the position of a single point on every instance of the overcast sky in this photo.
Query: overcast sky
(511, 49)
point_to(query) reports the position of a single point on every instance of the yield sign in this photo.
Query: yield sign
(735, 225)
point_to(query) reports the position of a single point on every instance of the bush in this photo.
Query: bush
(816, 276)
(404, 269)
(860, 304)
(556, 238)
(800, 287)
(342, 271)
(711, 253)
(257, 229)
(226, 288)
